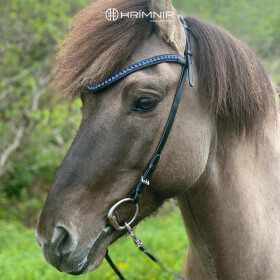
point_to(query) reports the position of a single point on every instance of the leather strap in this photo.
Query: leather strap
(136, 67)
(138, 189)
(111, 263)
(188, 52)
(136, 193)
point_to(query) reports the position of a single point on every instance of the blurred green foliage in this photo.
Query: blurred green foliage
(21, 258)
(37, 124)
(255, 22)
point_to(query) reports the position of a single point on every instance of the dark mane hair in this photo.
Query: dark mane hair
(233, 82)
(96, 48)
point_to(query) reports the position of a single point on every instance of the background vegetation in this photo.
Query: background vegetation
(37, 124)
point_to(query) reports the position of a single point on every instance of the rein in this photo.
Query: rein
(137, 191)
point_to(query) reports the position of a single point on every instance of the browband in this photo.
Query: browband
(137, 66)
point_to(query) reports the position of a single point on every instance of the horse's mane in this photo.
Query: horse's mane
(96, 48)
(233, 82)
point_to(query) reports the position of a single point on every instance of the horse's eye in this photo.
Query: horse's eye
(146, 104)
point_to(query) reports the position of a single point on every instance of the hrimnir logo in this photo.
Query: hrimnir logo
(113, 14)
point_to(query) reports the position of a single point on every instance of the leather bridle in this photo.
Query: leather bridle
(137, 191)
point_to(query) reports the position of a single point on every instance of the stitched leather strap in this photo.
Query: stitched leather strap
(138, 189)
(135, 67)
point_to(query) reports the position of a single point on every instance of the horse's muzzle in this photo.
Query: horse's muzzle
(63, 253)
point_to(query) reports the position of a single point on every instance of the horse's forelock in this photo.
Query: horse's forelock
(232, 81)
(96, 48)
(234, 84)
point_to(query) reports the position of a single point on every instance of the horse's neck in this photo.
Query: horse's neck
(232, 215)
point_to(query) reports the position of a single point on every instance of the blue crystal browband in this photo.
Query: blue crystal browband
(137, 66)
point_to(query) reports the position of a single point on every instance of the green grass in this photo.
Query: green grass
(164, 236)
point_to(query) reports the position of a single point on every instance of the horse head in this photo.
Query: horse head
(122, 124)
(120, 129)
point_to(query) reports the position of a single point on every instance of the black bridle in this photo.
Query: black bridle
(137, 191)
(187, 67)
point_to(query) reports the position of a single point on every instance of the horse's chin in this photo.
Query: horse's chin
(96, 253)
(88, 265)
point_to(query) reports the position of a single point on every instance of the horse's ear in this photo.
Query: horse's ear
(168, 24)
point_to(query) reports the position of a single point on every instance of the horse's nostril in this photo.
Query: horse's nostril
(63, 241)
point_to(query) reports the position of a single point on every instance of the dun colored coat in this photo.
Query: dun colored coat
(222, 158)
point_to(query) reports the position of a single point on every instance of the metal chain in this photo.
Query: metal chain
(142, 248)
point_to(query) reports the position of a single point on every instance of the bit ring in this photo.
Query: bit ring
(112, 218)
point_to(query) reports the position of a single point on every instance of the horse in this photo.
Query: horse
(221, 159)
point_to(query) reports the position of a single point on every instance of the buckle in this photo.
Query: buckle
(146, 181)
